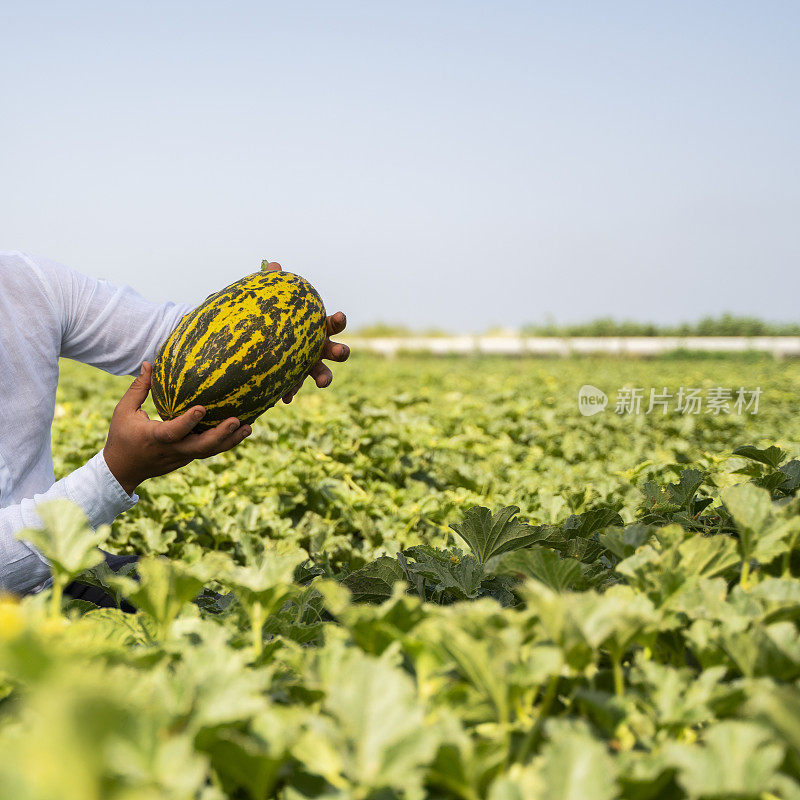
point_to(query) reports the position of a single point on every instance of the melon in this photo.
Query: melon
(241, 350)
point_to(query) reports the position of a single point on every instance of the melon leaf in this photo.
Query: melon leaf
(489, 535)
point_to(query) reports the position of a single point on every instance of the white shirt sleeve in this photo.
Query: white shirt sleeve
(110, 327)
(89, 320)
(92, 487)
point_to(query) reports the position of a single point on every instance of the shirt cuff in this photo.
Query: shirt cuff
(98, 492)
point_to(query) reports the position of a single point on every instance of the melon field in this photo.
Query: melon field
(437, 579)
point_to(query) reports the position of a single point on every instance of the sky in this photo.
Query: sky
(452, 164)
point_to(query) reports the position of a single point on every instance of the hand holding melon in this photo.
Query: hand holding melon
(138, 448)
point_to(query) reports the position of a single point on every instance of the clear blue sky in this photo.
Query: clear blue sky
(458, 164)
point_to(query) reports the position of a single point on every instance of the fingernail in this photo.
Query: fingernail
(199, 412)
(233, 426)
(141, 372)
(247, 431)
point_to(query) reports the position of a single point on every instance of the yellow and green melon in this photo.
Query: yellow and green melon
(241, 350)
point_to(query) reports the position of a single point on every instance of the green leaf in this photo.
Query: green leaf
(449, 571)
(646, 775)
(495, 669)
(541, 563)
(679, 696)
(575, 765)
(374, 628)
(163, 589)
(735, 759)
(104, 578)
(764, 650)
(584, 525)
(519, 783)
(263, 586)
(780, 598)
(464, 767)
(489, 535)
(619, 616)
(371, 731)
(581, 623)
(657, 499)
(263, 574)
(662, 568)
(243, 762)
(707, 556)
(215, 683)
(623, 543)
(791, 471)
(67, 541)
(778, 706)
(683, 492)
(374, 581)
(771, 456)
(155, 538)
(751, 507)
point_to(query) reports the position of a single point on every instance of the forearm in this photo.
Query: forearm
(92, 487)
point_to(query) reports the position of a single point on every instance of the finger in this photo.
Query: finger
(179, 428)
(231, 435)
(229, 442)
(137, 393)
(289, 396)
(321, 374)
(273, 266)
(336, 323)
(213, 441)
(335, 351)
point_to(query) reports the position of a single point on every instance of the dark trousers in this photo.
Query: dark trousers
(93, 594)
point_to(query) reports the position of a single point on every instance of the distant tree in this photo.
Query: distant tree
(725, 325)
(383, 329)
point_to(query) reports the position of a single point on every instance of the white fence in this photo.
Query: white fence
(778, 346)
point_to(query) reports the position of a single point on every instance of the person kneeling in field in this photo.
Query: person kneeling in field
(48, 311)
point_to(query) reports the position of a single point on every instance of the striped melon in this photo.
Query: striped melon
(241, 350)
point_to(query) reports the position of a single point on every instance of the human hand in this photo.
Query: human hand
(331, 351)
(139, 448)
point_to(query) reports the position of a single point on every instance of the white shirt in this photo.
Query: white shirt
(48, 311)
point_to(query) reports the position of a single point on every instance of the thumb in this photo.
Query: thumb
(133, 399)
